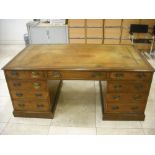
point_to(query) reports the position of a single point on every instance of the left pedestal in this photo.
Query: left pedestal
(32, 95)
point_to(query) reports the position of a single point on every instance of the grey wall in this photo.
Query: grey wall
(13, 30)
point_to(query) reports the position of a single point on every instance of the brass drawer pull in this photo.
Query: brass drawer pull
(137, 97)
(38, 95)
(134, 108)
(141, 75)
(40, 105)
(139, 87)
(36, 85)
(17, 84)
(56, 74)
(116, 97)
(115, 107)
(34, 74)
(14, 73)
(21, 105)
(117, 87)
(96, 74)
(19, 94)
(119, 76)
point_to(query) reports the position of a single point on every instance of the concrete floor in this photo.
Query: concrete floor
(78, 110)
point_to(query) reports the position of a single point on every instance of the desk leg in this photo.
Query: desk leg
(56, 97)
(102, 100)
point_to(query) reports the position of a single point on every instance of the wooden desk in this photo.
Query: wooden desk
(32, 73)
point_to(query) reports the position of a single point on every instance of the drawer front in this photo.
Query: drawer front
(19, 94)
(123, 98)
(16, 74)
(33, 85)
(94, 33)
(130, 76)
(23, 105)
(77, 33)
(76, 75)
(116, 108)
(25, 74)
(116, 86)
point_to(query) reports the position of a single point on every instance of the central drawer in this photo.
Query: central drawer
(92, 75)
(116, 86)
(22, 105)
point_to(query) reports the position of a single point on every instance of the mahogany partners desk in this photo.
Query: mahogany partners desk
(35, 75)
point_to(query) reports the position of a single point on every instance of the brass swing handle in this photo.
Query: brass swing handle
(34, 74)
(17, 84)
(118, 87)
(116, 97)
(21, 105)
(137, 97)
(141, 75)
(40, 105)
(14, 73)
(36, 85)
(38, 95)
(115, 107)
(119, 76)
(134, 108)
(19, 94)
(139, 87)
(97, 74)
(56, 74)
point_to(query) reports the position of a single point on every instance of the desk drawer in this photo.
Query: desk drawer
(130, 108)
(77, 75)
(23, 105)
(130, 76)
(115, 86)
(123, 98)
(25, 74)
(16, 74)
(20, 94)
(32, 85)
